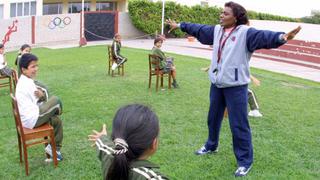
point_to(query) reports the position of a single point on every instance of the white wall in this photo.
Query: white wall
(126, 28)
(309, 32)
(21, 36)
(47, 32)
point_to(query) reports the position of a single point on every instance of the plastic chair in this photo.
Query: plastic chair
(30, 137)
(154, 70)
(111, 60)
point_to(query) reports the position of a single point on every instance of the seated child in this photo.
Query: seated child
(134, 139)
(26, 48)
(4, 69)
(116, 46)
(166, 63)
(35, 112)
(253, 102)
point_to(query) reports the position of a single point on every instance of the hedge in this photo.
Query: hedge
(146, 15)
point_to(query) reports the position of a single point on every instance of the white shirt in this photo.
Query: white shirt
(27, 101)
(1, 62)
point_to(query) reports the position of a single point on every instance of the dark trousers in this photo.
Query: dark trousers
(236, 100)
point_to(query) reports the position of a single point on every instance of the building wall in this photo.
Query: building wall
(22, 34)
(126, 28)
(6, 7)
(67, 30)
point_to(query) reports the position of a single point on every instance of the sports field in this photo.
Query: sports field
(286, 139)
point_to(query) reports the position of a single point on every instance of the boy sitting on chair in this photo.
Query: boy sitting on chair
(166, 63)
(34, 108)
(115, 49)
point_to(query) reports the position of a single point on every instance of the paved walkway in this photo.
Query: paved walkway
(196, 49)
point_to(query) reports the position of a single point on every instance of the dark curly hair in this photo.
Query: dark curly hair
(239, 12)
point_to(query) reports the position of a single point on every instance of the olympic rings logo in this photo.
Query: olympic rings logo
(58, 22)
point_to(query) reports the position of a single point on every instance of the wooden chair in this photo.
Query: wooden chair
(10, 81)
(154, 70)
(29, 137)
(111, 60)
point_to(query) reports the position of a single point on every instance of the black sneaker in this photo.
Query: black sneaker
(175, 85)
(203, 151)
(242, 171)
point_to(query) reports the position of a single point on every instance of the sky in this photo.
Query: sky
(290, 8)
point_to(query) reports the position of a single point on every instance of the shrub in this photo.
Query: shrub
(146, 15)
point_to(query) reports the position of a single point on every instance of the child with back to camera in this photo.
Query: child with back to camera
(134, 139)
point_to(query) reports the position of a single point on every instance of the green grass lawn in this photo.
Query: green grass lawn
(286, 139)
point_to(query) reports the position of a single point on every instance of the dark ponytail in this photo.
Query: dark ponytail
(138, 126)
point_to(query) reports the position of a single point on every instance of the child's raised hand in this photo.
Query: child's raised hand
(96, 135)
(255, 81)
(205, 69)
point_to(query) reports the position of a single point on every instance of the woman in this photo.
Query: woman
(233, 44)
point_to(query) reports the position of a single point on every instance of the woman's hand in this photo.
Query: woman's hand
(290, 35)
(173, 25)
(96, 135)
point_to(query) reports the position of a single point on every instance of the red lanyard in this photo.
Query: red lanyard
(222, 43)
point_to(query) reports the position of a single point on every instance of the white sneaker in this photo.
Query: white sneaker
(114, 66)
(242, 171)
(255, 113)
(48, 150)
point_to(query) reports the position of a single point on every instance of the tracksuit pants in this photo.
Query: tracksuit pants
(236, 100)
(49, 113)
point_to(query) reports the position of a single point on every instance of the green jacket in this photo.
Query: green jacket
(139, 169)
(162, 57)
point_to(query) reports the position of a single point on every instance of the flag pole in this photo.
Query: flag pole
(162, 22)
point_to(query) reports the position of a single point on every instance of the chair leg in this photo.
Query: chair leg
(149, 81)
(10, 84)
(169, 80)
(25, 155)
(122, 70)
(161, 80)
(157, 82)
(54, 150)
(19, 143)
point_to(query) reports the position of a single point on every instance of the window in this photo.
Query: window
(23, 9)
(77, 7)
(13, 9)
(52, 8)
(26, 9)
(106, 6)
(1, 11)
(33, 8)
(19, 10)
(204, 4)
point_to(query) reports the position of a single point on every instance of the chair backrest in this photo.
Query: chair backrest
(154, 62)
(16, 114)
